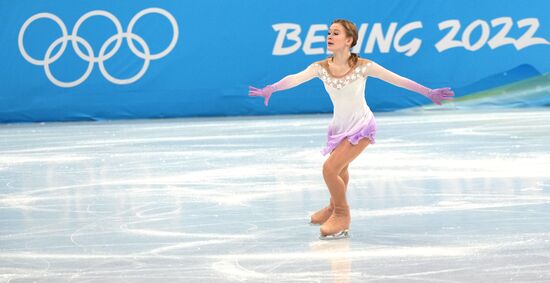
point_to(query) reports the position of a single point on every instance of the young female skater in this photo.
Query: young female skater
(353, 126)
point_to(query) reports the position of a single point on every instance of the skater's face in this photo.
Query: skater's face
(337, 39)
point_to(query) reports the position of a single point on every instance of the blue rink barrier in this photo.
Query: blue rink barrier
(92, 60)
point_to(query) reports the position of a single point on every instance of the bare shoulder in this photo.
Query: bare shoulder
(323, 63)
(363, 61)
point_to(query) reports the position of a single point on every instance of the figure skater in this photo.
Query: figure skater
(353, 126)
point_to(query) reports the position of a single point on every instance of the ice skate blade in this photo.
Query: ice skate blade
(340, 235)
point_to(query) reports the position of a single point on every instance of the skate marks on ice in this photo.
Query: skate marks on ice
(442, 196)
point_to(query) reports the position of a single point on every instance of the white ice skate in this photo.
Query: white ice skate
(337, 226)
(340, 235)
(321, 216)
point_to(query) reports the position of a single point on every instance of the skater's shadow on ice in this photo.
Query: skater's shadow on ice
(337, 254)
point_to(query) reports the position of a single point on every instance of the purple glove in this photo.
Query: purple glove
(265, 92)
(438, 94)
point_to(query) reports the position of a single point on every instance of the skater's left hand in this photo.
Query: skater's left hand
(438, 94)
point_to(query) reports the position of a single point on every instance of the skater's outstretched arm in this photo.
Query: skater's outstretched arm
(287, 82)
(435, 95)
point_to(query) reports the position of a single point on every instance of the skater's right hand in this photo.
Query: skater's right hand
(264, 92)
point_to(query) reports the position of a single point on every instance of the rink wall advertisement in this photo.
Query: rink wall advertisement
(96, 60)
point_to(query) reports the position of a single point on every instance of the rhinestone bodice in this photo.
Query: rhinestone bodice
(359, 72)
(347, 94)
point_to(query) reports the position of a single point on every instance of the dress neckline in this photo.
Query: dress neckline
(342, 76)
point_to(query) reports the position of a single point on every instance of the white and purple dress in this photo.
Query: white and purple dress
(352, 118)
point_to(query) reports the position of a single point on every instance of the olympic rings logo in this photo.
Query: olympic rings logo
(101, 57)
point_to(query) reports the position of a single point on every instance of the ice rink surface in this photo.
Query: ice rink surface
(443, 196)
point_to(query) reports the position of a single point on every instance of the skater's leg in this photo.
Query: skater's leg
(333, 168)
(332, 173)
(322, 215)
(345, 175)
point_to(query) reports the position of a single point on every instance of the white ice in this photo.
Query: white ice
(443, 196)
